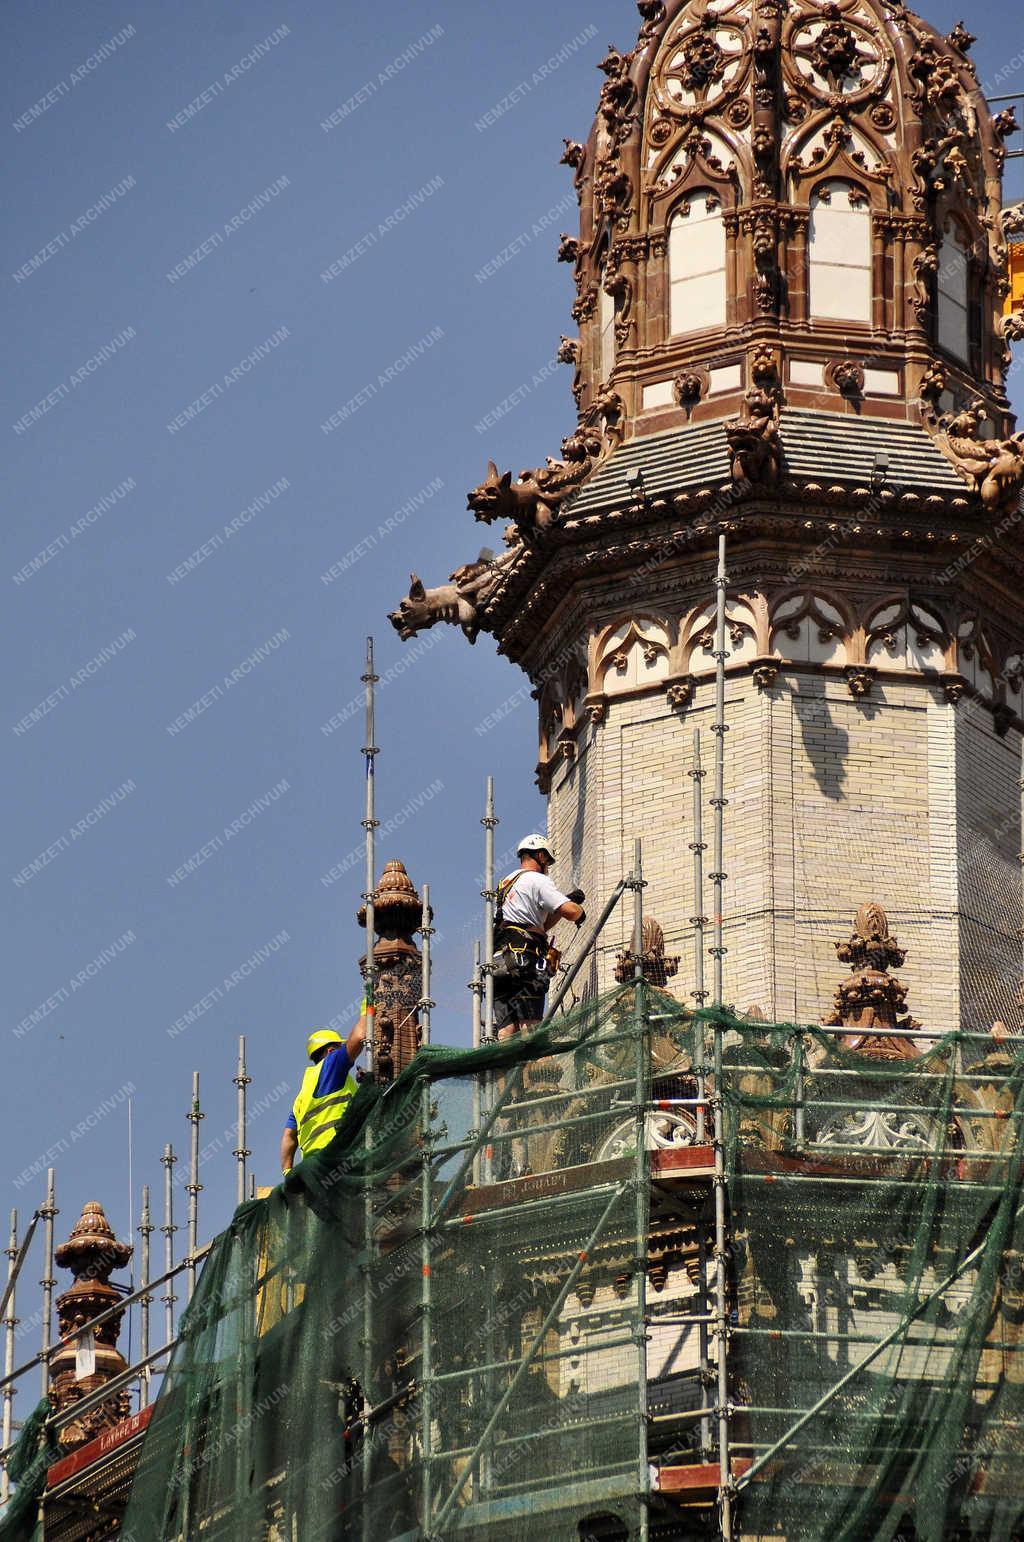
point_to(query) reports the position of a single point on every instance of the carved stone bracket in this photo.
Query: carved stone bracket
(765, 673)
(680, 691)
(954, 687)
(859, 679)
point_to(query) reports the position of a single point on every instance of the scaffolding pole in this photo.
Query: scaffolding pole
(640, 1182)
(476, 987)
(167, 1162)
(48, 1212)
(193, 1189)
(725, 1485)
(145, 1232)
(489, 895)
(434, 1528)
(370, 823)
(699, 920)
(426, 1361)
(10, 1324)
(370, 679)
(426, 932)
(242, 1080)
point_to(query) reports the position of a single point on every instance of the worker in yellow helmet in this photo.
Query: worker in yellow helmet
(328, 1087)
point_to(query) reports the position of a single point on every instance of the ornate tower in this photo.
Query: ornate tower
(87, 1362)
(397, 916)
(790, 277)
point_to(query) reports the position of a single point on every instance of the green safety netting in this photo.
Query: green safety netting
(888, 1210)
(298, 1328)
(26, 1469)
(400, 1344)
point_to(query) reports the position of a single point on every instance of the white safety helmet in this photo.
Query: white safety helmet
(532, 843)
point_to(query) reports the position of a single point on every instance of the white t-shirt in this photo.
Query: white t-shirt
(532, 900)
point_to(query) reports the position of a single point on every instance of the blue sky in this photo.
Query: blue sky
(340, 349)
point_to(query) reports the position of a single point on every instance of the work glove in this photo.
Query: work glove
(581, 920)
(576, 895)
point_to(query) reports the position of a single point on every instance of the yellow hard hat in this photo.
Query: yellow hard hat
(320, 1039)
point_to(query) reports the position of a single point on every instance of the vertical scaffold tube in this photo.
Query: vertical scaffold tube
(718, 878)
(426, 1363)
(699, 923)
(370, 679)
(370, 826)
(10, 1324)
(242, 1080)
(193, 1187)
(145, 1232)
(48, 1212)
(641, 1184)
(476, 987)
(489, 823)
(167, 1162)
(426, 932)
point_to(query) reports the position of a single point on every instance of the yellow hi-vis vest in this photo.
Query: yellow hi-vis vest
(318, 1118)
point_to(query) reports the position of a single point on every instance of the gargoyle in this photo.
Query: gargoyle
(1013, 327)
(456, 601)
(754, 440)
(568, 248)
(1005, 122)
(570, 350)
(574, 154)
(994, 468)
(530, 506)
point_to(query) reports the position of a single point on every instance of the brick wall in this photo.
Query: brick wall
(899, 797)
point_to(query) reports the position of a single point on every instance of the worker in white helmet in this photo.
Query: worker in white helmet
(328, 1087)
(529, 907)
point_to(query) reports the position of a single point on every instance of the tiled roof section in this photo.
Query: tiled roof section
(826, 447)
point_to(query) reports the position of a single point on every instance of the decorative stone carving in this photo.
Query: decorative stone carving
(859, 680)
(569, 351)
(847, 377)
(86, 1362)
(457, 601)
(754, 440)
(872, 999)
(397, 915)
(954, 687)
(960, 38)
(573, 155)
(1005, 122)
(1013, 327)
(680, 692)
(568, 248)
(765, 673)
(993, 468)
(689, 388)
(657, 968)
(934, 382)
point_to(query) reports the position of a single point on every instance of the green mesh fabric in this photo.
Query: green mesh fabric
(888, 1208)
(401, 1344)
(353, 1362)
(27, 1470)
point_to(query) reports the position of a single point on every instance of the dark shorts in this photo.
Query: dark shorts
(520, 1000)
(526, 1005)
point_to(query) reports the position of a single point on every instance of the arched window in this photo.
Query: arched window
(839, 252)
(954, 254)
(696, 265)
(606, 318)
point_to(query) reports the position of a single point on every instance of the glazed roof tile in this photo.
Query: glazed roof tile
(828, 447)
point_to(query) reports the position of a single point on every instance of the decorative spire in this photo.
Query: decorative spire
(397, 914)
(88, 1361)
(871, 999)
(657, 968)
